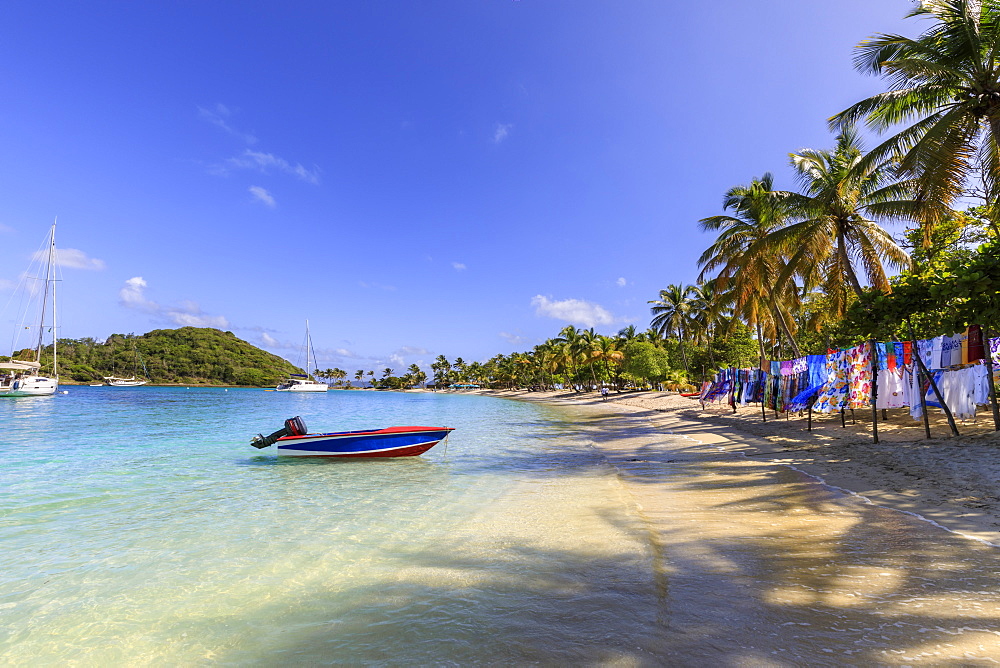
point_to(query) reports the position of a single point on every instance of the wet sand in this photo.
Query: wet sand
(761, 564)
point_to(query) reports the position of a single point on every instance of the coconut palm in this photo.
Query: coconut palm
(844, 191)
(605, 349)
(945, 84)
(672, 314)
(745, 260)
(572, 347)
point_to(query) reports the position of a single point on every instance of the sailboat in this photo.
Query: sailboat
(300, 382)
(131, 381)
(23, 378)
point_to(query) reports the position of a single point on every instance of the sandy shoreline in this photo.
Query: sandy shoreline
(954, 482)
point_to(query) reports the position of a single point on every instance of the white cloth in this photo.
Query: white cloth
(890, 392)
(958, 388)
(912, 392)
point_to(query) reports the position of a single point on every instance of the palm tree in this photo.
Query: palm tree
(441, 367)
(744, 258)
(606, 349)
(946, 82)
(672, 314)
(843, 191)
(572, 348)
(359, 374)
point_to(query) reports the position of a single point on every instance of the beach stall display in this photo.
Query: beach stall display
(293, 439)
(952, 373)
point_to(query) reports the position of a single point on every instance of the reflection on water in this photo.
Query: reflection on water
(539, 536)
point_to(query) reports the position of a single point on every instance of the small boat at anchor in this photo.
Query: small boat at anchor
(293, 439)
(301, 382)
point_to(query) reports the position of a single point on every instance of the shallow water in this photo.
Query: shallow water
(139, 527)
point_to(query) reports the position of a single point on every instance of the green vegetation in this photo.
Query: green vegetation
(188, 356)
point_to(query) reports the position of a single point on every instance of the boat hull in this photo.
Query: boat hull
(33, 386)
(391, 442)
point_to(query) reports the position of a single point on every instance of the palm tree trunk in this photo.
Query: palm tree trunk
(846, 261)
(760, 341)
(779, 318)
(680, 342)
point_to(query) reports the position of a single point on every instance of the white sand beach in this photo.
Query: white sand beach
(954, 482)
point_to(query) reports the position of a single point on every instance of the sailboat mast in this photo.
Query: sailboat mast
(49, 284)
(309, 349)
(55, 329)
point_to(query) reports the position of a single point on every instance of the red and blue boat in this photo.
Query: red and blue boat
(293, 439)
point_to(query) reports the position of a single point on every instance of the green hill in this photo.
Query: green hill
(188, 356)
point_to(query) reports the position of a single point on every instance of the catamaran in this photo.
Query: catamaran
(301, 382)
(23, 378)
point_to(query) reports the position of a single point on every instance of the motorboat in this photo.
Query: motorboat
(293, 439)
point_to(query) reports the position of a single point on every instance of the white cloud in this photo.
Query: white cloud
(264, 162)
(188, 314)
(377, 286)
(458, 266)
(513, 339)
(133, 295)
(72, 258)
(262, 195)
(218, 117)
(621, 282)
(501, 132)
(573, 311)
(196, 319)
(268, 340)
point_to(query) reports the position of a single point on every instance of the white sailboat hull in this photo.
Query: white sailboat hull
(302, 386)
(125, 382)
(32, 386)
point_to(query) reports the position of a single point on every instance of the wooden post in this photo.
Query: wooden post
(842, 423)
(989, 370)
(809, 424)
(930, 377)
(854, 418)
(923, 399)
(874, 397)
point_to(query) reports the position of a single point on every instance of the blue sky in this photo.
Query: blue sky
(458, 177)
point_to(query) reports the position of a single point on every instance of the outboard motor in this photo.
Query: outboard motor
(294, 426)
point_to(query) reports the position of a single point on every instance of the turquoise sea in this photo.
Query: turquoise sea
(138, 526)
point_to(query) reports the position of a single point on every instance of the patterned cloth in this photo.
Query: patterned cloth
(860, 376)
(800, 365)
(833, 396)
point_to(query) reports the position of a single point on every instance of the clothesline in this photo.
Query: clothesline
(842, 379)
